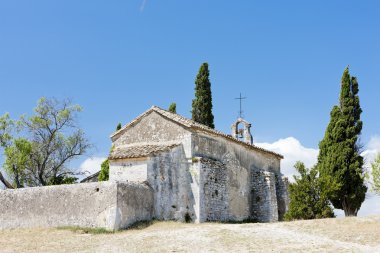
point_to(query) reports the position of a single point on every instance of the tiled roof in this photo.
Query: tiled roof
(190, 124)
(138, 151)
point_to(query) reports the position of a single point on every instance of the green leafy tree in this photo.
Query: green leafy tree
(6, 127)
(104, 171)
(62, 179)
(202, 104)
(307, 200)
(118, 127)
(49, 140)
(339, 161)
(56, 140)
(17, 161)
(376, 174)
(173, 108)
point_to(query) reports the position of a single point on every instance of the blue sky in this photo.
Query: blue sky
(118, 58)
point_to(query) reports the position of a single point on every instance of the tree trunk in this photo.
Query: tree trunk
(5, 182)
(17, 177)
(349, 211)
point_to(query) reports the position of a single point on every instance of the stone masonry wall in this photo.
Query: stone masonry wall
(101, 204)
(217, 147)
(134, 203)
(171, 181)
(213, 190)
(282, 195)
(238, 187)
(179, 184)
(263, 196)
(154, 129)
(251, 175)
(131, 170)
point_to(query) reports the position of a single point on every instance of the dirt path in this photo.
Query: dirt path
(331, 235)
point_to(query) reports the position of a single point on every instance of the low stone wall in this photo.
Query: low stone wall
(111, 205)
(134, 203)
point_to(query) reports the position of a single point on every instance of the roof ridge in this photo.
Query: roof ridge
(217, 132)
(192, 124)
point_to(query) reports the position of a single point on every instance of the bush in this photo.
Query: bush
(307, 200)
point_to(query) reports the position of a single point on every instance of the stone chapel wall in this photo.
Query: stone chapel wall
(217, 147)
(129, 170)
(282, 184)
(171, 181)
(253, 189)
(263, 196)
(213, 190)
(150, 129)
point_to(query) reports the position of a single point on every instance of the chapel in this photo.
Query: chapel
(197, 173)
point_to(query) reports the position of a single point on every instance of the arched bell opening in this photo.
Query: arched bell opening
(241, 130)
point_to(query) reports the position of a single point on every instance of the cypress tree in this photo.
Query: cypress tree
(173, 108)
(339, 161)
(202, 104)
(118, 127)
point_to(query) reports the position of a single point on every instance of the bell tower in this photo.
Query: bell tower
(244, 133)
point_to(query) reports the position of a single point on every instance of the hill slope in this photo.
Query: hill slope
(328, 235)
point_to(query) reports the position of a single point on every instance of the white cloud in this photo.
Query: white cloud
(293, 151)
(372, 203)
(374, 143)
(91, 165)
(372, 149)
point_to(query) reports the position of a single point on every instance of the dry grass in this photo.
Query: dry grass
(329, 235)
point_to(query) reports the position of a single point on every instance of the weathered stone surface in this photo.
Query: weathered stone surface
(216, 148)
(129, 170)
(263, 196)
(282, 185)
(243, 188)
(244, 132)
(214, 198)
(102, 204)
(134, 203)
(207, 175)
(157, 125)
(142, 150)
(166, 167)
(151, 129)
(170, 179)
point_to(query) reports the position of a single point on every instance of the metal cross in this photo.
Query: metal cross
(240, 112)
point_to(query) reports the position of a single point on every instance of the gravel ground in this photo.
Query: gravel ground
(327, 235)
